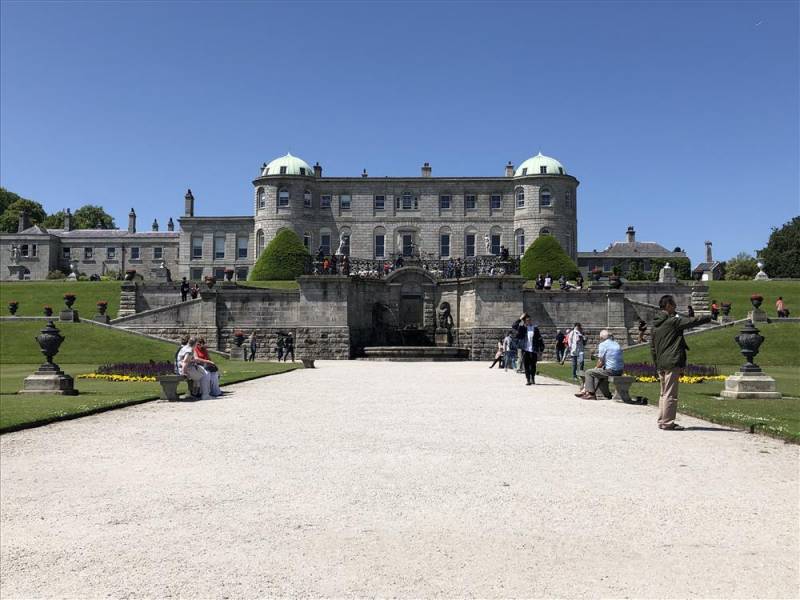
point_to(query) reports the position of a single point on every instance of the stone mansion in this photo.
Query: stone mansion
(372, 217)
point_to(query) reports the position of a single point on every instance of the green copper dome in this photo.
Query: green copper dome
(287, 165)
(540, 165)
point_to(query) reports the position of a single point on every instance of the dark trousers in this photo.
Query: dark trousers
(183, 296)
(529, 362)
(252, 354)
(286, 354)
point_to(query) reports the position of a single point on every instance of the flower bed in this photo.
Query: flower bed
(646, 373)
(148, 369)
(113, 377)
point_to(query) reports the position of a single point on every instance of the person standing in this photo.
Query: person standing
(714, 310)
(577, 343)
(194, 291)
(690, 311)
(561, 346)
(498, 356)
(184, 290)
(642, 331)
(288, 347)
(668, 349)
(531, 342)
(253, 343)
(510, 349)
(780, 308)
(579, 282)
(281, 346)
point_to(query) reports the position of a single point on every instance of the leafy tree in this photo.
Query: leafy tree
(7, 199)
(89, 216)
(742, 266)
(284, 258)
(545, 255)
(54, 221)
(635, 272)
(782, 254)
(9, 220)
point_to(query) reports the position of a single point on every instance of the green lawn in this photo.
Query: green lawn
(84, 348)
(780, 357)
(738, 294)
(33, 295)
(275, 284)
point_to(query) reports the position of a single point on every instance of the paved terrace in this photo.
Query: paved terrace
(396, 479)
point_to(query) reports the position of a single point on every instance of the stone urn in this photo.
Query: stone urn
(49, 341)
(749, 342)
(48, 378)
(238, 338)
(228, 274)
(48, 311)
(756, 300)
(102, 307)
(12, 307)
(69, 300)
(725, 307)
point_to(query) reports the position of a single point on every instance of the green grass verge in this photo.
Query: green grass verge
(86, 347)
(275, 284)
(738, 294)
(780, 357)
(33, 295)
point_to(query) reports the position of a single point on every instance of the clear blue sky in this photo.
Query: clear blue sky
(679, 118)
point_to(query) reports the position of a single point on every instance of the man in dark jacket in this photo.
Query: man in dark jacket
(669, 356)
(530, 341)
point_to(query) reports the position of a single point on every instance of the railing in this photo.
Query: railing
(374, 268)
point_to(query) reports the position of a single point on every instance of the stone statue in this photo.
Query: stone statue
(342, 242)
(487, 242)
(14, 255)
(445, 318)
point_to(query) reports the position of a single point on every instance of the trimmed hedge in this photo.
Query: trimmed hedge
(284, 258)
(545, 255)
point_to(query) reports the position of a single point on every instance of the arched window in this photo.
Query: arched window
(307, 199)
(470, 236)
(283, 197)
(545, 231)
(259, 242)
(519, 194)
(261, 195)
(545, 197)
(519, 241)
(445, 238)
(379, 242)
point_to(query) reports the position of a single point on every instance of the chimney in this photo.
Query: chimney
(709, 258)
(170, 225)
(132, 221)
(364, 173)
(189, 204)
(24, 221)
(426, 170)
(510, 169)
(630, 234)
(155, 225)
(67, 221)
(317, 170)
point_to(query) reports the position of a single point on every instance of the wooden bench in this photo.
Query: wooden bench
(308, 363)
(622, 385)
(169, 386)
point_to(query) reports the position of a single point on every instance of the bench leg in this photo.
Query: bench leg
(622, 393)
(169, 391)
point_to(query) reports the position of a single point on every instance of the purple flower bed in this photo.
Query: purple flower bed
(148, 369)
(648, 370)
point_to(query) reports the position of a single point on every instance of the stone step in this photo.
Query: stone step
(415, 353)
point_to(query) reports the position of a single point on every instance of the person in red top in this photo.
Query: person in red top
(201, 357)
(780, 307)
(714, 309)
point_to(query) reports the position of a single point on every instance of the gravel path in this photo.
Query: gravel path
(395, 479)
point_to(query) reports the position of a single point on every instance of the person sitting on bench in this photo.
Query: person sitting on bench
(609, 364)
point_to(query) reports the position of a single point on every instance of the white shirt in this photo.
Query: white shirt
(575, 342)
(187, 349)
(529, 339)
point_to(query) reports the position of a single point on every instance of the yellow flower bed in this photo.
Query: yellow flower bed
(115, 377)
(687, 379)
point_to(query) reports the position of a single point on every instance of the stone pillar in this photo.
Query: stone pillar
(188, 204)
(700, 299)
(127, 299)
(170, 225)
(510, 169)
(132, 221)
(68, 221)
(426, 170)
(667, 274)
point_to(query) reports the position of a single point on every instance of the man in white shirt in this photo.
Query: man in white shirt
(530, 340)
(609, 364)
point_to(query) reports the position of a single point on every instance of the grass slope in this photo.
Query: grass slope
(84, 348)
(780, 356)
(738, 294)
(32, 295)
(273, 284)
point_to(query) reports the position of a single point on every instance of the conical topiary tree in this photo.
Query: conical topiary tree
(284, 258)
(545, 255)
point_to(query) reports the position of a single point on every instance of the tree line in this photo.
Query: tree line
(88, 216)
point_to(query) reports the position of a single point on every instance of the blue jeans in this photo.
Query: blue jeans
(577, 364)
(511, 359)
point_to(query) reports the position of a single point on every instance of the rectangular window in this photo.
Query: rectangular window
(470, 202)
(444, 202)
(344, 202)
(111, 254)
(325, 201)
(495, 244)
(65, 253)
(23, 250)
(241, 246)
(408, 244)
(88, 253)
(283, 170)
(158, 253)
(283, 198)
(302, 170)
(219, 247)
(520, 198)
(135, 253)
(469, 249)
(307, 241)
(307, 199)
(543, 170)
(380, 246)
(380, 202)
(408, 201)
(497, 202)
(325, 243)
(241, 273)
(525, 171)
(444, 245)
(219, 273)
(607, 266)
(195, 274)
(197, 247)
